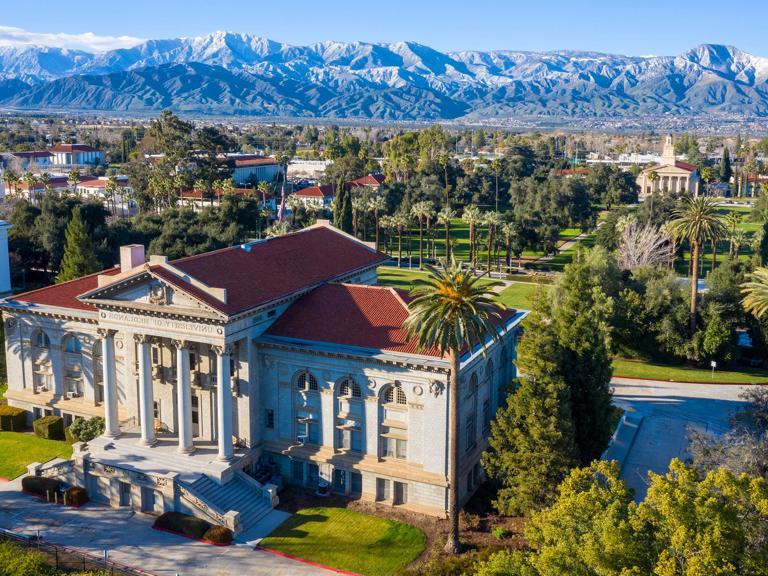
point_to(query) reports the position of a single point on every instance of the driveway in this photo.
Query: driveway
(130, 539)
(668, 409)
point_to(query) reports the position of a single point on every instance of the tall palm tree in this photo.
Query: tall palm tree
(452, 310)
(399, 221)
(13, 181)
(264, 188)
(732, 221)
(496, 166)
(444, 217)
(421, 211)
(31, 181)
(696, 220)
(73, 178)
(509, 233)
(471, 216)
(492, 220)
(755, 292)
(377, 205)
(737, 240)
(359, 206)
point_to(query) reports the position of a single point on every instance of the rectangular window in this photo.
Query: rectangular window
(155, 355)
(487, 415)
(297, 472)
(339, 481)
(195, 410)
(192, 361)
(269, 419)
(356, 484)
(470, 433)
(401, 493)
(357, 441)
(156, 410)
(382, 489)
(394, 448)
(313, 474)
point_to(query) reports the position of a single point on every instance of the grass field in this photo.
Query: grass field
(644, 369)
(348, 540)
(18, 449)
(520, 295)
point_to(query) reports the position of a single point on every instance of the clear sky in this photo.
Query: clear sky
(635, 28)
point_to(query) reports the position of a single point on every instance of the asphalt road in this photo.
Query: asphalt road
(669, 409)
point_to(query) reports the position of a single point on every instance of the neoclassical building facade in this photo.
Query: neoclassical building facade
(670, 175)
(224, 375)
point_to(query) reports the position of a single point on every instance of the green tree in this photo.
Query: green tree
(421, 211)
(79, 257)
(696, 220)
(531, 447)
(725, 171)
(472, 217)
(451, 309)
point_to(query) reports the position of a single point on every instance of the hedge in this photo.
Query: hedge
(12, 419)
(76, 496)
(49, 427)
(193, 527)
(40, 485)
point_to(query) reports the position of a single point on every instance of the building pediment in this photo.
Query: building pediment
(146, 291)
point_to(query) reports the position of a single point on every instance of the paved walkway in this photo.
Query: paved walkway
(668, 409)
(130, 539)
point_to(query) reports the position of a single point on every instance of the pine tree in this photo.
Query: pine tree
(345, 222)
(79, 257)
(582, 308)
(532, 439)
(725, 167)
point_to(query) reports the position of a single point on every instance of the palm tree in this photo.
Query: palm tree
(492, 220)
(227, 187)
(737, 240)
(13, 181)
(31, 181)
(293, 203)
(471, 216)
(444, 217)
(399, 221)
(696, 220)
(359, 206)
(707, 174)
(377, 205)
(451, 310)
(73, 178)
(509, 233)
(496, 166)
(755, 292)
(110, 191)
(264, 188)
(732, 220)
(421, 211)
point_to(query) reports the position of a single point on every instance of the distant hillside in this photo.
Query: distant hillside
(226, 73)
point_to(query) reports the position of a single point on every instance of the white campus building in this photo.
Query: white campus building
(224, 375)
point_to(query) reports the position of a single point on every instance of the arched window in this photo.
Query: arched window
(394, 395)
(472, 387)
(72, 344)
(306, 381)
(489, 371)
(349, 388)
(41, 340)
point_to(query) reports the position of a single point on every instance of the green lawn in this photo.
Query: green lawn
(641, 369)
(348, 540)
(17, 450)
(519, 295)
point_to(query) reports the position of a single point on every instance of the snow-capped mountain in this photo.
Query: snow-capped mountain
(228, 73)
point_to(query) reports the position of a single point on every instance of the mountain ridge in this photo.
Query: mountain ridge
(240, 74)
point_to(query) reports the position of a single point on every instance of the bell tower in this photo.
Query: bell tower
(668, 153)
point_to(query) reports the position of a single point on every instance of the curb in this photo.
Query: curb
(623, 439)
(202, 540)
(309, 562)
(716, 382)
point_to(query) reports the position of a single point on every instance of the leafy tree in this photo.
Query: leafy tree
(725, 170)
(451, 310)
(86, 430)
(531, 447)
(79, 257)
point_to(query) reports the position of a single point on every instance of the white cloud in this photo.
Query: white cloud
(88, 41)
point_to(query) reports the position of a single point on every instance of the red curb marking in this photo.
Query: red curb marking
(203, 540)
(720, 383)
(310, 562)
(4, 479)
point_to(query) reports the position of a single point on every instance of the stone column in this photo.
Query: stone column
(224, 402)
(183, 398)
(109, 381)
(146, 411)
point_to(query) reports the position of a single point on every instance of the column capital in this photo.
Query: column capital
(181, 344)
(225, 350)
(142, 338)
(106, 332)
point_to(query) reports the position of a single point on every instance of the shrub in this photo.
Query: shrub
(500, 533)
(20, 562)
(49, 427)
(40, 485)
(86, 430)
(76, 496)
(12, 419)
(218, 535)
(68, 437)
(183, 524)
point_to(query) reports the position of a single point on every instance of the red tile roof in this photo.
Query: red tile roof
(242, 162)
(573, 172)
(373, 317)
(276, 268)
(55, 182)
(267, 271)
(685, 166)
(102, 182)
(198, 194)
(73, 148)
(373, 180)
(324, 191)
(65, 295)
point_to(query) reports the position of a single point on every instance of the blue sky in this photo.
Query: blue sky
(634, 28)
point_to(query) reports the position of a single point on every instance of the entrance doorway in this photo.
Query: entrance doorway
(195, 416)
(125, 494)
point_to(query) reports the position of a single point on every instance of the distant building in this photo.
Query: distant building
(41, 159)
(196, 199)
(370, 181)
(674, 176)
(22, 189)
(316, 196)
(250, 168)
(97, 188)
(75, 156)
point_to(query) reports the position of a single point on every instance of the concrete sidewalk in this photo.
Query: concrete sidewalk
(130, 539)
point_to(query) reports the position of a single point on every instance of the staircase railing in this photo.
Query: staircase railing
(228, 518)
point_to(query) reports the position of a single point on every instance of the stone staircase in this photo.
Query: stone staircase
(241, 494)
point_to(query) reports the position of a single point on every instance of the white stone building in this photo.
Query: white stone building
(67, 156)
(672, 175)
(222, 375)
